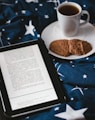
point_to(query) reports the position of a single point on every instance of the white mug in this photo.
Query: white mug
(69, 15)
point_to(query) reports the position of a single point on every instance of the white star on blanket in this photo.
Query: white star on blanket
(30, 29)
(72, 114)
(28, 1)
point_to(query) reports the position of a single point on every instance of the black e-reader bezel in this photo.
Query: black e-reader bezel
(8, 112)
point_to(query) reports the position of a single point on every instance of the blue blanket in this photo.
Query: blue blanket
(24, 20)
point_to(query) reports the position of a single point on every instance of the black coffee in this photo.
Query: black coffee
(68, 10)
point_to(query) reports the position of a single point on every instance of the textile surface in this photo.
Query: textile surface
(24, 20)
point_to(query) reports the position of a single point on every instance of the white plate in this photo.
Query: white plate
(53, 32)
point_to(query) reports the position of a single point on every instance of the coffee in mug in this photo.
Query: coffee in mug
(68, 10)
(69, 15)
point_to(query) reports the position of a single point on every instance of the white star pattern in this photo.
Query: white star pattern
(57, 2)
(71, 62)
(84, 76)
(58, 67)
(38, 35)
(23, 11)
(72, 99)
(73, 65)
(27, 117)
(56, 109)
(60, 74)
(76, 76)
(9, 21)
(56, 64)
(46, 16)
(28, 1)
(87, 58)
(78, 88)
(30, 29)
(84, 5)
(8, 38)
(3, 29)
(40, 4)
(16, 1)
(16, 13)
(72, 114)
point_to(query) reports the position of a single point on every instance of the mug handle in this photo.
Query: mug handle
(84, 12)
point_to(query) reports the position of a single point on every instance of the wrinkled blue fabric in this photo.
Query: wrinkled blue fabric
(76, 76)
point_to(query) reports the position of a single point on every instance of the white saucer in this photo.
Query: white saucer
(52, 32)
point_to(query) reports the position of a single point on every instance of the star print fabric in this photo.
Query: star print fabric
(24, 20)
(16, 15)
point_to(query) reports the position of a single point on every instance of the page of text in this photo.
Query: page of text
(26, 77)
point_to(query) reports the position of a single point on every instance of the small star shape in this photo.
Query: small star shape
(46, 16)
(56, 109)
(72, 99)
(71, 62)
(9, 21)
(72, 114)
(84, 5)
(16, 1)
(8, 38)
(29, 29)
(73, 65)
(87, 58)
(3, 29)
(16, 13)
(40, 4)
(23, 11)
(84, 76)
(38, 35)
(27, 117)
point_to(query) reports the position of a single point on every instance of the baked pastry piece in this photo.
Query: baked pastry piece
(60, 47)
(70, 47)
(86, 47)
(75, 47)
(79, 47)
